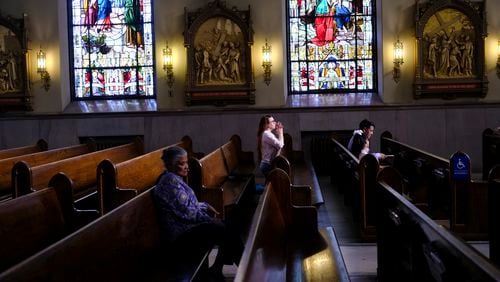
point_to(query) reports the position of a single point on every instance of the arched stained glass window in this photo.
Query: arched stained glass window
(112, 49)
(331, 46)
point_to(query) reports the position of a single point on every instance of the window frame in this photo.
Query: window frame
(71, 65)
(374, 59)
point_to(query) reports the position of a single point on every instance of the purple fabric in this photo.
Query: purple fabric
(178, 207)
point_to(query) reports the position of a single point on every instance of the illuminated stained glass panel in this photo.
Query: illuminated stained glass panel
(112, 52)
(330, 46)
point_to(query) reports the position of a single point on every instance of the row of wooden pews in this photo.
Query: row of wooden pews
(47, 213)
(118, 182)
(285, 244)
(35, 159)
(413, 247)
(45, 236)
(432, 184)
(225, 177)
(357, 180)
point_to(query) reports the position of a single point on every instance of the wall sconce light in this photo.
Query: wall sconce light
(398, 60)
(168, 67)
(41, 68)
(266, 62)
(498, 58)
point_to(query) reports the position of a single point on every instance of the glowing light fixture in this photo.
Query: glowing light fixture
(41, 68)
(398, 60)
(266, 62)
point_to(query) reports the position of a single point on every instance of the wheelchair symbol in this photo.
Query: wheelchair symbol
(460, 164)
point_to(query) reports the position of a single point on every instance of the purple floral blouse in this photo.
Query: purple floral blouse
(178, 207)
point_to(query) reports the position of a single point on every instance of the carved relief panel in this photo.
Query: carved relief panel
(14, 86)
(450, 49)
(218, 43)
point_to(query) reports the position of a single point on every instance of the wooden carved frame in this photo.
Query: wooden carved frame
(450, 49)
(14, 83)
(219, 62)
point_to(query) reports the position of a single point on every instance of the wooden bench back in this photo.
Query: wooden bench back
(41, 145)
(230, 151)
(424, 173)
(117, 183)
(436, 254)
(237, 161)
(33, 222)
(36, 159)
(491, 150)
(80, 169)
(284, 240)
(213, 169)
(116, 247)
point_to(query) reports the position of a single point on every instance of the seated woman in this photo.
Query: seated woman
(188, 226)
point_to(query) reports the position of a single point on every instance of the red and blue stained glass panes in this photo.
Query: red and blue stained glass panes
(330, 44)
(112, 48)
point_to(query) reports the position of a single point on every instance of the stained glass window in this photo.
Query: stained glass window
(330, 46)
(112, 54)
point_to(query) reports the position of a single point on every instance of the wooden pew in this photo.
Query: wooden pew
(426, 176)
(494, 213)
(468, 204)
(429, 185)
(36, 159)
(412, 247)
(41, 145)
(491, 150)
(120, 182)
(284, 242)
(78, 172)
(357, 179)
(300, 170)
(123, 245)
(33, 222)
(223, 178)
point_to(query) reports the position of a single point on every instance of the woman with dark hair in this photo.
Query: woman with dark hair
(190, 227)
(269, 142)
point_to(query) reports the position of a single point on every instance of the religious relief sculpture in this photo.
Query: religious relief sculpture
(14, 85)
(449, 39)
(10, 77)
(217, 53)
(219, 65)
(450, 49)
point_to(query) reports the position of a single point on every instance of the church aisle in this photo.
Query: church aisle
(360, 258)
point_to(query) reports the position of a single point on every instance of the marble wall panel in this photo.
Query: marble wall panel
(17, 133)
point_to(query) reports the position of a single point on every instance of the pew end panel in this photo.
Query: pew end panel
(79, 217)
(108, 196)
(21, 179)
(368, 171)
(238, 162)
(187, 144)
